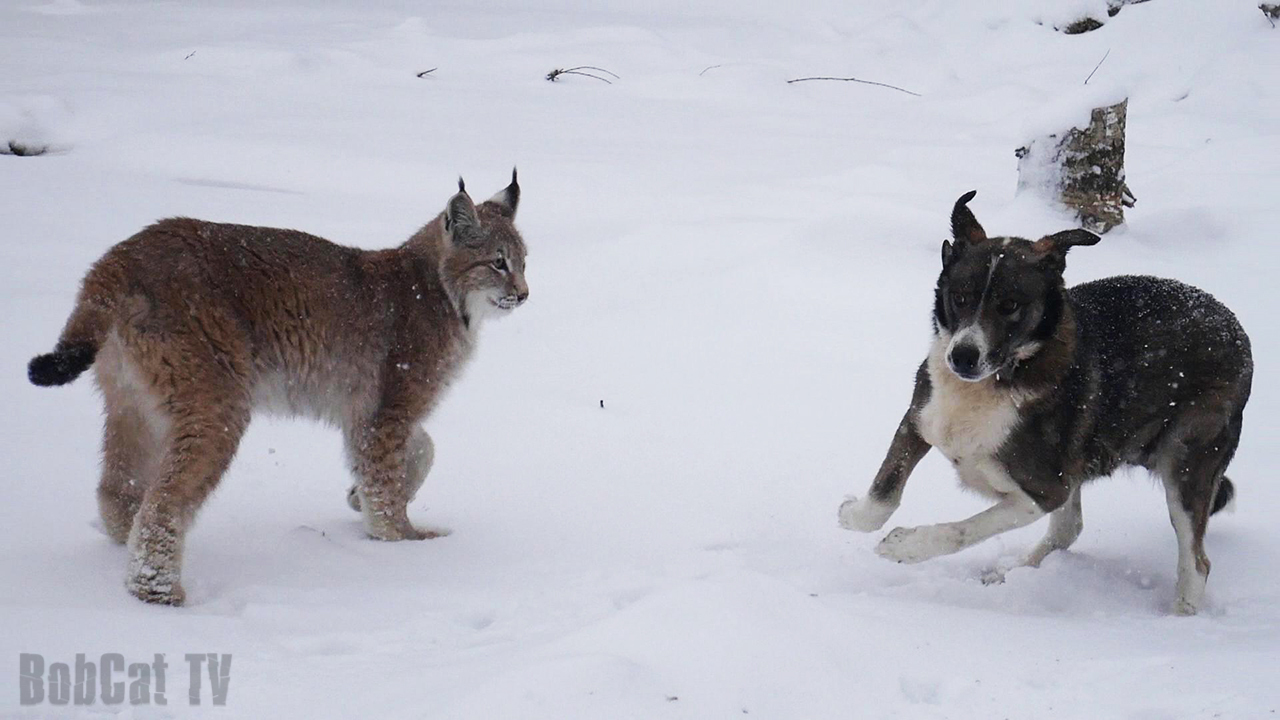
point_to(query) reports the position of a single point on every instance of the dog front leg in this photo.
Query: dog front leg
(913, 545)
(871, 512)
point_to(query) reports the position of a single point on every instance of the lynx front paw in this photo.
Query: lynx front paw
(913, 545)
(866, 515)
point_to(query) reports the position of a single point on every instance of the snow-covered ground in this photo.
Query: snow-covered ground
(739, 268)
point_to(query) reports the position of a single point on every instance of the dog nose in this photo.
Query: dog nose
(964, 359)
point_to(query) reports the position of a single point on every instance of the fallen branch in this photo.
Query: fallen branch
(857, 80)
(1095, 67)
(425, 73)
(581, 70)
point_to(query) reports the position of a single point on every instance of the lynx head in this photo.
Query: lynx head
(483, 263)
(998, 299)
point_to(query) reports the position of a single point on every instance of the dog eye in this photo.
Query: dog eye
(959, 299)
(1008, 306)
(500, 264)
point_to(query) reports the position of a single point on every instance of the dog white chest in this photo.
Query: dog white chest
(968, 422)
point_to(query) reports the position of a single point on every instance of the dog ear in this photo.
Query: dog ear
(507, 198)
(948, 252)
(1059, 243)
(964, 226)
(460, 219)
(1052, 249)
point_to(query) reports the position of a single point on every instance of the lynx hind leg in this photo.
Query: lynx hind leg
(130, 454)
(130, 445)
(201, 378)
(201, 445)
(419, 456)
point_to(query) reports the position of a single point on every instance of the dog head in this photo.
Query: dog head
(998, 299)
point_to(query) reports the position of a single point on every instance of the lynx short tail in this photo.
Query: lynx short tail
(62, 365)
(85, 330)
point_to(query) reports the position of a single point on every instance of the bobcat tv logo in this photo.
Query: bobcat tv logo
(85, 682)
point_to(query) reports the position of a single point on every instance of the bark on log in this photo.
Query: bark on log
(1083, 168)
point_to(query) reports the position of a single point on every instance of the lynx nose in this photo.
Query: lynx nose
(522, 296)
(964, 360)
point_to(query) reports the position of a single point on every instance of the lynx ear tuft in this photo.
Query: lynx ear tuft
(507, 198)
(460, 217)
(462, 185)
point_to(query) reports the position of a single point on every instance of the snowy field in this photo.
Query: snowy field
(739, 268)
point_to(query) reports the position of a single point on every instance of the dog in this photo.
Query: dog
(193, 326)
(1031, 389)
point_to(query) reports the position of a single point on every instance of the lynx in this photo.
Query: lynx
(193, 326)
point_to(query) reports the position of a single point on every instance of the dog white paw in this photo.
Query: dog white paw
(865, 515)
(913, 545)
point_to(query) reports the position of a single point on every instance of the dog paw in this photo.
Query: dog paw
(1184, 608)
(866, 515)
(913, 545)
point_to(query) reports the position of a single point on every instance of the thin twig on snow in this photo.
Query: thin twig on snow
(1095, 67)
(857, 80)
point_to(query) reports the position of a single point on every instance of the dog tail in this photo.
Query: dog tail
(85, 330)
(1225, 497)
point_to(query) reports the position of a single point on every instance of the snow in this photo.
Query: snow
(1072, 109)
(740, 269)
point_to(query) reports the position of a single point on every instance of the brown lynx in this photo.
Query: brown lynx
(191, 326)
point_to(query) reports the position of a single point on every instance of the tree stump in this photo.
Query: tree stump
(1082, 168)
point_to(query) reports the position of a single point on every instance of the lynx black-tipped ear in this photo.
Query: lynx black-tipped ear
(507, 198)
(462, 185)
(964, 226)
(460, 217)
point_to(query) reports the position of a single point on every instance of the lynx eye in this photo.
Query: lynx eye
(500, 264)
(959, 299)
(1008, 306)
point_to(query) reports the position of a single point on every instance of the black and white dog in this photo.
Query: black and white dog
(1031, 389)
